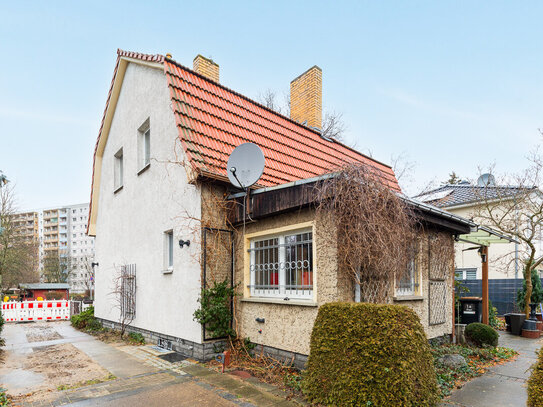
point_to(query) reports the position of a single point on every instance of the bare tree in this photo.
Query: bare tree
(333, 126)
(55, 267)
(83, 266)
(269, 99)
(517, 210)
(18, 256)
(403, 168)
(124, 293)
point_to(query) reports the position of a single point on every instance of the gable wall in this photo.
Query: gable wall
(131, 222)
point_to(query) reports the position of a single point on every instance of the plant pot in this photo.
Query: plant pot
(507, 322)
(531, 334)
(529, 325)
(533, 306)
(517, 320)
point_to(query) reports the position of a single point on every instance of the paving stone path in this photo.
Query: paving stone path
(503, 385)
(144, 379)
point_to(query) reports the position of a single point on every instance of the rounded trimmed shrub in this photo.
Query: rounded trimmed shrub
(535, 383)
(369, 355)
(482, 334)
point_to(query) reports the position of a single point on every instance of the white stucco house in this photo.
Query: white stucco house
(159, 172)
(466, 199)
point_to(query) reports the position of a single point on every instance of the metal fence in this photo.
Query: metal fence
(502, 292)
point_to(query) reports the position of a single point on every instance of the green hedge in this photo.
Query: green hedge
(369, 355)
(535, 383)
(86, 320)
(482, 334)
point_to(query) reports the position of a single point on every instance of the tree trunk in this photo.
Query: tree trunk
(528, 296)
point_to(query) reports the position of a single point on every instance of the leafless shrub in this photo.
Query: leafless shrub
(375, 229)
(124, 294)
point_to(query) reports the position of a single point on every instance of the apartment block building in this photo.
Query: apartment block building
(61, 232)
(27, 227)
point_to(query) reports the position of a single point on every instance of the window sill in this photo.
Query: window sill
(168, 271)
(145, 168)
(117, 189)
(303, 303)
(408, 298)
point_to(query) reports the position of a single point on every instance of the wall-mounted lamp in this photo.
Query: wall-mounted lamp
(94, 264)
(483, 255)
(183, 243)
(260, 320)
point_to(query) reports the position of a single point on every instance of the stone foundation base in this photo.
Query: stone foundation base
(440, 340)
(201, 352)
(286, 357)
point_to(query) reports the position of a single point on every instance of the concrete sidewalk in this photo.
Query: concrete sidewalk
(503, 385)
(143, 379)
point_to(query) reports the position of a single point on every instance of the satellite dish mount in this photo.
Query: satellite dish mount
(245, 167)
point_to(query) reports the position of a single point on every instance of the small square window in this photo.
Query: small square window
(118, 175)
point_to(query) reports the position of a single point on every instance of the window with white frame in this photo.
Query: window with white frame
(168, 251)
(144, 145)
(118, 170)
(465, 274)
(282, 265)
(409, 283)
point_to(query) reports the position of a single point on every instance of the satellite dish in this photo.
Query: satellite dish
(486, 180)
(245, 165)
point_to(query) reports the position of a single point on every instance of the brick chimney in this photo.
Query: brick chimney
(206, 67)
(306, 98)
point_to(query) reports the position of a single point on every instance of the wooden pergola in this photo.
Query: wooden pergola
(483, 237)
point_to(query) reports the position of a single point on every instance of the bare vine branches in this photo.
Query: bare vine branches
(376, 229)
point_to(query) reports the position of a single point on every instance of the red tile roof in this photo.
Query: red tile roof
(213, 120)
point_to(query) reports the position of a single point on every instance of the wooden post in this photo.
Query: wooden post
(484, 261)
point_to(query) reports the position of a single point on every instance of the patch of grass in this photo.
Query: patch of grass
(85, 383)
(478, 360)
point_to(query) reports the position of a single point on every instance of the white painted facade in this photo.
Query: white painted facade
(505, 259)
(132, 221)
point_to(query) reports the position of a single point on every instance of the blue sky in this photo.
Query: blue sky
(451, 85)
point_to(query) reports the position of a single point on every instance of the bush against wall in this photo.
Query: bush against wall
(369, 355)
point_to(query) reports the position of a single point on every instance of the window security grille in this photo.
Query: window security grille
(128, 290)
(409, 283)
(282, 266)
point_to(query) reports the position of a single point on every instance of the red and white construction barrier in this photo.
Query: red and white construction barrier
(36, 311)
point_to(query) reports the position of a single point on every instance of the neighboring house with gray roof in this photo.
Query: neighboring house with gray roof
(464, 199)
